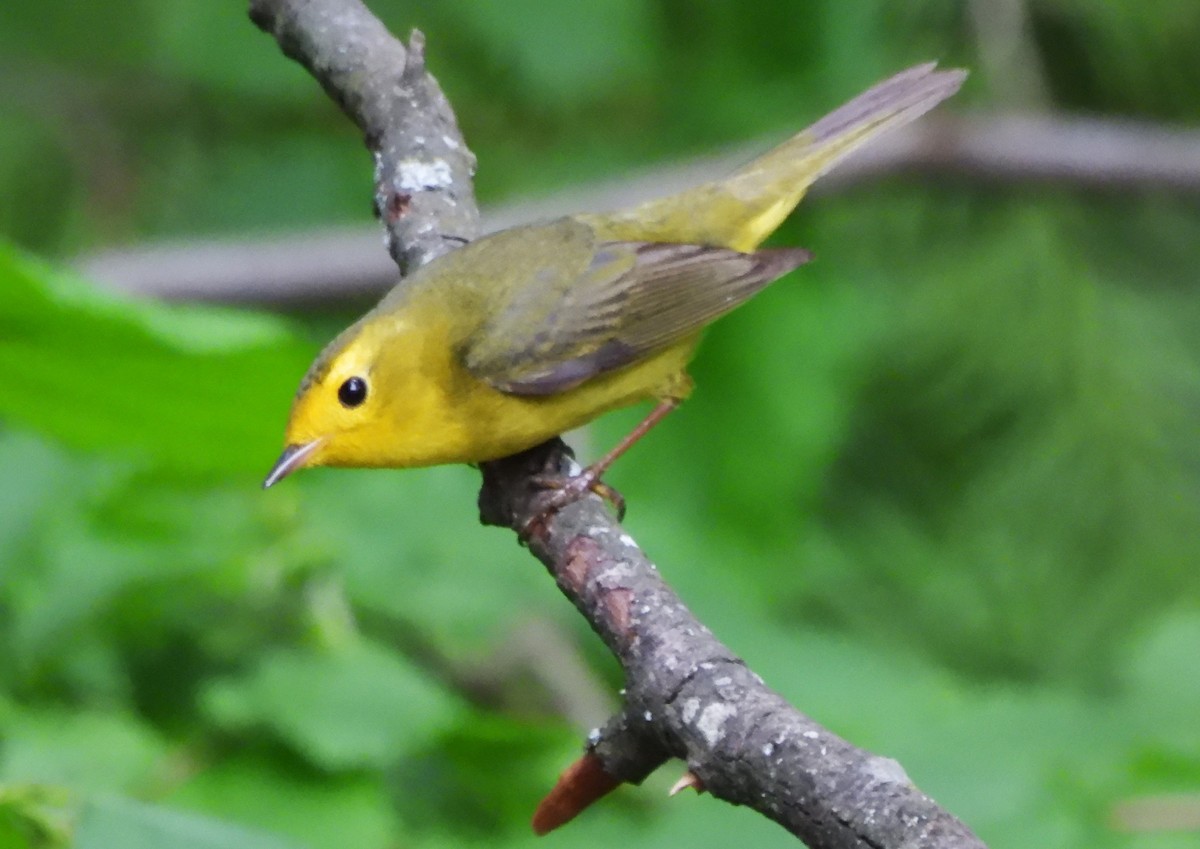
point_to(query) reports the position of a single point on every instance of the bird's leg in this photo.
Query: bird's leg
(574, 488)
(590, 478)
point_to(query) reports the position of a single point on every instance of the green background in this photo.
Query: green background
(941, 488)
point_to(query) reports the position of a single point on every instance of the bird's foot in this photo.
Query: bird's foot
(564, 491)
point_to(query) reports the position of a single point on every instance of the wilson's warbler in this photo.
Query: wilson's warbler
(529, 332)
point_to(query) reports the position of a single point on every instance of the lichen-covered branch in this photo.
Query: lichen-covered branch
(686, 694)
(424, 192)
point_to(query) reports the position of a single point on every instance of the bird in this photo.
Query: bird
(526, 333)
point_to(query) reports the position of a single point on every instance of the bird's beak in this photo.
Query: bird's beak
(290, 460)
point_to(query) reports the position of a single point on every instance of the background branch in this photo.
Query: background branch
(686, 694)
(345, 265)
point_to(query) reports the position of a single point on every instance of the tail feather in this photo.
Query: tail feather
(914, 86)
(741, 210)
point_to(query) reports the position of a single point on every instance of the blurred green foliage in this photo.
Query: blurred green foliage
(942, 488)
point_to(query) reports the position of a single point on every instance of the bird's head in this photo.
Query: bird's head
(337, 407)
(365, 401)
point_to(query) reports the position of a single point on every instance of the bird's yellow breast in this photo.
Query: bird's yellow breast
(472, 422)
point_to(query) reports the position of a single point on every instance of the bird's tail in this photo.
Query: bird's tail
(741, 210)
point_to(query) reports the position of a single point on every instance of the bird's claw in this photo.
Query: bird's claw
(566, 492)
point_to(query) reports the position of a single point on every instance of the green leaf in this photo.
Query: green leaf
(111, 822)
(37, 477)
(85, 750)
(412, 548)
(356, 706)
(316, 810)
(1163, 676)
(34, 817)
(198, 389)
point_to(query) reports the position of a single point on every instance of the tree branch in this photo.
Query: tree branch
(686, 694)
(423, 189)
(689, 697)
(345, 265)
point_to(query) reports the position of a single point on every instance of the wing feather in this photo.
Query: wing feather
(632, 300)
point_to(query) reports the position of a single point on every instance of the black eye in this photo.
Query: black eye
(353, 392)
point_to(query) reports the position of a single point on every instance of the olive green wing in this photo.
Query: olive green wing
(631, 300)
